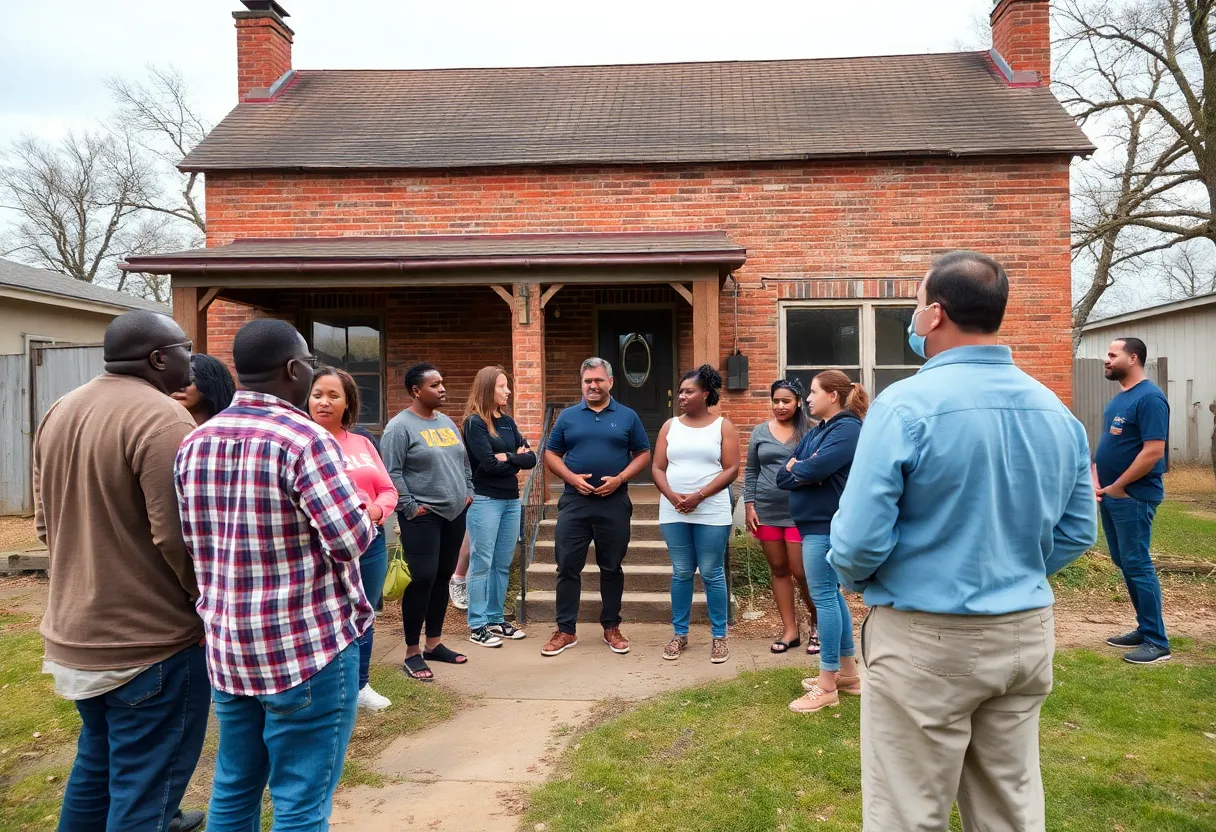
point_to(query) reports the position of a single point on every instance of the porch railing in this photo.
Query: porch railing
(533, 498)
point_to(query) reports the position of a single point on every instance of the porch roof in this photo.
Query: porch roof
(442, 252)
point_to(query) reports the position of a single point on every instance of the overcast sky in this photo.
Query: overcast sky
(56, 55)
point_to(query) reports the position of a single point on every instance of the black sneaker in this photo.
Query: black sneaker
(186, 821)
(1148, 654)
(1132, 639)
(507, 631)
(485, 638)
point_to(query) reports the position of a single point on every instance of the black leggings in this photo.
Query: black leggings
(431, 546)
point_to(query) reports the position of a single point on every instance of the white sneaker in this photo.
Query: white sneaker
(369, 700)
(459, 592)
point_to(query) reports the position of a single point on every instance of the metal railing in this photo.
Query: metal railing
(533, 498)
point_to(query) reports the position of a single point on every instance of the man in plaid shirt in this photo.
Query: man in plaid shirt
(275, 529)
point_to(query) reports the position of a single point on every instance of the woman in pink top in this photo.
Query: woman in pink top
(334, 405)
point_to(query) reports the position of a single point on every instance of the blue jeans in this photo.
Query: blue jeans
(373, 566)
(295, 740)
(694, 546)
(1128, 526)
(835, 620)
(493, 531)
(138, 746)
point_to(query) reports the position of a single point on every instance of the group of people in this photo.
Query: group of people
(214, 545)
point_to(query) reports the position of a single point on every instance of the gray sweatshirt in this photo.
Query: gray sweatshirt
(428, 464)
(765, 458)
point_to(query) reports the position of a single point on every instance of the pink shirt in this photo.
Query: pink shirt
(367, 471)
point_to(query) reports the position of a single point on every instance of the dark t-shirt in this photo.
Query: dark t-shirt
(601, 444)
(1132, 418)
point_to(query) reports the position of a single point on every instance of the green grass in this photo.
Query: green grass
(1123, 748)
(1182, 529)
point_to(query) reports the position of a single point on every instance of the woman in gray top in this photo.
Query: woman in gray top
(768, 508)
(428, 464)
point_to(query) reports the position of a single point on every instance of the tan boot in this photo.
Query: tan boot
(815, 700)
(849, 684)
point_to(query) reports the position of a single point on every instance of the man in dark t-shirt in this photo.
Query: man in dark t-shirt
(596, 447)
(1128, 469)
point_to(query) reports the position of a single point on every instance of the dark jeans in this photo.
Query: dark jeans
(1128, 526)
(138, 747)
(294, 741)
(581, 520)
(431, 546)
(373, 566)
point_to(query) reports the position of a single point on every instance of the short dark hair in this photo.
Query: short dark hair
(213, 382)
(415, 374)
(972, 288)
(708, 379)
(350, 390)
(264, 346)
(1136, 347)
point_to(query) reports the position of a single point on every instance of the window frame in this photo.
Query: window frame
(336, 315)
(866, 332)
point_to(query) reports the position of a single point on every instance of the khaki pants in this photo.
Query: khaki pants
(950, 710)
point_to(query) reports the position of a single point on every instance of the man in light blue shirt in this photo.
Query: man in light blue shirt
(970, 486)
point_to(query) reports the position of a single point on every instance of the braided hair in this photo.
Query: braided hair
(708, 379)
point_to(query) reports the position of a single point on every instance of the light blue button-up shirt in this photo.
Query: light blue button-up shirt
(970, 486)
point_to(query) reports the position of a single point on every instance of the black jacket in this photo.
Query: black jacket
(493, 477)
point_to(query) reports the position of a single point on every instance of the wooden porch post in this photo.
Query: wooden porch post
(705, 323)
(191, 314)
(528, 360)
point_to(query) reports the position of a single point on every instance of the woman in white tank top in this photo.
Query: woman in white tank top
(696, 458)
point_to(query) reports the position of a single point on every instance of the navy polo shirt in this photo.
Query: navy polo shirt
(1132, 418)
(601, 444)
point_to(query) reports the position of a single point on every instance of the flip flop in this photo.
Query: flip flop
(414, 665)
(445, 655)
(780, 646)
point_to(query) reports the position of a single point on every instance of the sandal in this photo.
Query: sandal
(445, 655)
(812, 644)
(415, 666)
(780, 646)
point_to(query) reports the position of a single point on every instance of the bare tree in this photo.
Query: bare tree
(160, 115)
(1188, 272)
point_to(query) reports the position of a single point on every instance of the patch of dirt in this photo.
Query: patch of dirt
(17, 534)
(24, 595)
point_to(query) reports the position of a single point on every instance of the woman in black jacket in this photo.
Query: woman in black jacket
(497, 452)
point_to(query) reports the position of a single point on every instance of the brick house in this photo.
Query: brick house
(658, 215)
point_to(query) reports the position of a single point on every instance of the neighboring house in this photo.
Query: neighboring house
(41, 314)
(38, 305)
(658, 215)
(1184, 334)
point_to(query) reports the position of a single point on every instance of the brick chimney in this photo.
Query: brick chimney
(263, 47)
(1021, 36)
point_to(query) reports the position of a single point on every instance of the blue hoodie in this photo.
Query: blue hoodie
(817, 480)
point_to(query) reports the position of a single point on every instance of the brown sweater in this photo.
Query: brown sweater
(122, 582)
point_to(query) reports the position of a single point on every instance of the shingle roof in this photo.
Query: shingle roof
(435, 251)
(45, 282)
(743, 111)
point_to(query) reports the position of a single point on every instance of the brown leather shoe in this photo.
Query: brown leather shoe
(616, 640)
(558, 642)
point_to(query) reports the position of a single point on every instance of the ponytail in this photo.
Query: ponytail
(858, 401)
(708, 379)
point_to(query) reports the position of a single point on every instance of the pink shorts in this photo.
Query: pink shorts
(788, 534)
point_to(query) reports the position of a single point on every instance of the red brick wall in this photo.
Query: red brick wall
(263, 53)
(811, 230)
(1021, 33)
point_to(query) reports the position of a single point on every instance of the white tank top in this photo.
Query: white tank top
(694, 460)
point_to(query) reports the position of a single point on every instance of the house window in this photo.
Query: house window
(354, 343)
(867, 341)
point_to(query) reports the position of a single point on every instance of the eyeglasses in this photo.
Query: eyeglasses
(189, 345)
(311, 360)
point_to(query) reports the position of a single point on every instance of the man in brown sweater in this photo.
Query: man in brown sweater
(121, 632)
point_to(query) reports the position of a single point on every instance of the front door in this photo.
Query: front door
(640, 345)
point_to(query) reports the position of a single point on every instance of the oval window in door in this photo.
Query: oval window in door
(635, 359)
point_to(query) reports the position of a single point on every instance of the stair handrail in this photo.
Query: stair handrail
(532, 499)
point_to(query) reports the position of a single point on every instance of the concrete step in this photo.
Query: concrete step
(641, 511)
(639, 530)
(641, 552)
(638, 578)
(635, 606)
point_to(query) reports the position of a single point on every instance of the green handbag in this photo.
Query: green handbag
(398, 576)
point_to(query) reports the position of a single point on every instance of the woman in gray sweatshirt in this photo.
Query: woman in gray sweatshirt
(768, 508)
(429, 466)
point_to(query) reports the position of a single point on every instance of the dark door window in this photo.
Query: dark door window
(354, 343)
(640, 345)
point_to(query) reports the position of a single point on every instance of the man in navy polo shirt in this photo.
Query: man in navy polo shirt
(1127, 475)
(596, 447)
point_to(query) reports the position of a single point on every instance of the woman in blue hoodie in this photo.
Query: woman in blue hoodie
(816, 475)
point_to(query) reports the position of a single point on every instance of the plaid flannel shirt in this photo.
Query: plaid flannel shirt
(275, 528)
